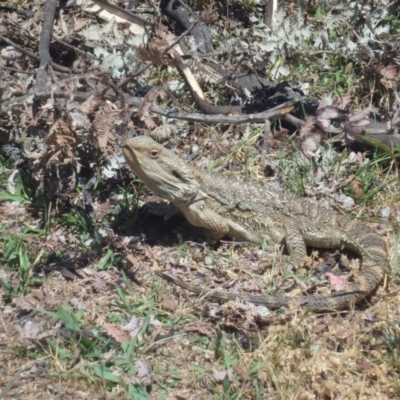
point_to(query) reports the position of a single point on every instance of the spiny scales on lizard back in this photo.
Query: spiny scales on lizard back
(249, 212)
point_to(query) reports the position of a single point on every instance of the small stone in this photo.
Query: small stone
(385, 212)
(208, 260)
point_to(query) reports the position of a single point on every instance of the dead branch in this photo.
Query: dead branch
(386, 133)
(45, 36)
(119, 12)
(162, 111)
(56, 66)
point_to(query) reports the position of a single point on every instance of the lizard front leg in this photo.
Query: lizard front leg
(198, 214)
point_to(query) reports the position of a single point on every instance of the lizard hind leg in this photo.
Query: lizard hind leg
(296, 245)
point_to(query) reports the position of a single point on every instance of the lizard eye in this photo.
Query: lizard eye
(154, 153)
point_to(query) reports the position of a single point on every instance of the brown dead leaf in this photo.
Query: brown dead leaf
(356, 185)
(123, 25)
(108, 354)
(84, 273)
(202, 329)
(104, 125)
(116, 332)
(168, 302)
(30, 329)
(38, 294)
(27, 303)
(310, 136)
(67, 274)
(244, 375)
(281, 134)
(11, 209)
(61, 134)
(134, 261)
(219, 376)
(152, 95)
(150, 123)
(98, 283)
(365, 365)
(143, 375)
(148, 253)
(320, 328)
(250, 286)
(101, 209)
(358, 158)
(93, 103)
(389, 72)
(133, 326)
(35, 330)
(10, 53)
(344, 101)
(105, 276)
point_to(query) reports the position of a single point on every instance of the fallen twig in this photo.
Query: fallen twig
(44, 44)
(56, 66)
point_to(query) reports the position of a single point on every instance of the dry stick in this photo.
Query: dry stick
(379, 130)
(126, 114)
(56, 66)
(16, 377)
(18, 71)
(276, 112)
(20, 48)
(130, 77)
(44, 44)
(2, 86)
(197, 93)
(45, 95)
(270, 9)
(296, 121)
(179, 38)
(120, 12)
(267, 134)
(56, 39)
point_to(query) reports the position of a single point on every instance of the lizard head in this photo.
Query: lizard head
(160, 169)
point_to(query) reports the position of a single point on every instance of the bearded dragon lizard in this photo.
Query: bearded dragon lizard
(250, 212)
